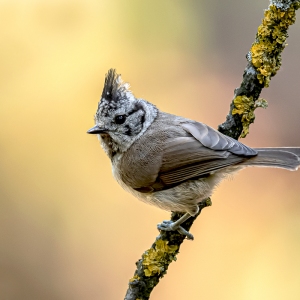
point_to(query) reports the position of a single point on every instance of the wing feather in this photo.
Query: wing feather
(206, 151)
(198, 170)
(182, 151)
(215, 140)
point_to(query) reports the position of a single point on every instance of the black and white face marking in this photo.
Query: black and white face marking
(120, 115)
(129, 123)
(123, 124)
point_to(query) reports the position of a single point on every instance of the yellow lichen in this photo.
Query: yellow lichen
(208, 202)
(155, 259)
(260, 102)
(135, 277)
(245, 106)
(270, 41)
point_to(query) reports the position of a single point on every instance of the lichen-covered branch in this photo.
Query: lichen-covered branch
(155, 261)
(264, 60)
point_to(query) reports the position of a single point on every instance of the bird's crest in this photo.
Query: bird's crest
(114, 88)
(115, 93)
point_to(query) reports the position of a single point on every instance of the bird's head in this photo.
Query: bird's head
(120, 118)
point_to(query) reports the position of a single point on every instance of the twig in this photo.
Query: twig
(155, 261)
(264, 60)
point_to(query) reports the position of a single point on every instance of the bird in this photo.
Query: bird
(169, 161)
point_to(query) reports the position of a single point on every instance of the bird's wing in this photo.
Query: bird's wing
(185, 158)
(215, 140)
(205, 150)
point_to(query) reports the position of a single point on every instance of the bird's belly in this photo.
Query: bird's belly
(181, 198)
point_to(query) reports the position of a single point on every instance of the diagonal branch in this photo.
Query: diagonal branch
(156, 260)
(264, 60)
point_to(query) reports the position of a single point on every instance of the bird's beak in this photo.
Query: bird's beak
(96, 130)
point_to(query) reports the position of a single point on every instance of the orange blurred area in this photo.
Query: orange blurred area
(67, 230)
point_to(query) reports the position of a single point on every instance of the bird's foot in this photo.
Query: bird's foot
(172, 226)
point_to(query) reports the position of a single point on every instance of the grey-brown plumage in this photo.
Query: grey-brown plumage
(170, 161)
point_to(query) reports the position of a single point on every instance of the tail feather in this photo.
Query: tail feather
(285, 158)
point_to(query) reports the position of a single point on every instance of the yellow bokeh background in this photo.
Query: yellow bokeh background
(67, 230)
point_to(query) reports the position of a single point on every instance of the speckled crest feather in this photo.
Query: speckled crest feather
(113, 86)
(115, 91)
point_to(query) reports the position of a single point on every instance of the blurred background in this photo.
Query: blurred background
(67, 230)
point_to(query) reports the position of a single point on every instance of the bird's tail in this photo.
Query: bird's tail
(285, 158)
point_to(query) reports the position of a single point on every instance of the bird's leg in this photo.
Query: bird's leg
(172, 226)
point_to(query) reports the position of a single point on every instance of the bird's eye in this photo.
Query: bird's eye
(120, 119)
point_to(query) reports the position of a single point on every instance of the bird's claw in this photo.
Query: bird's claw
(167, 226)
(171, 226)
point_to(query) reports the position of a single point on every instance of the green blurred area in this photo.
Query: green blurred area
(67, 230)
